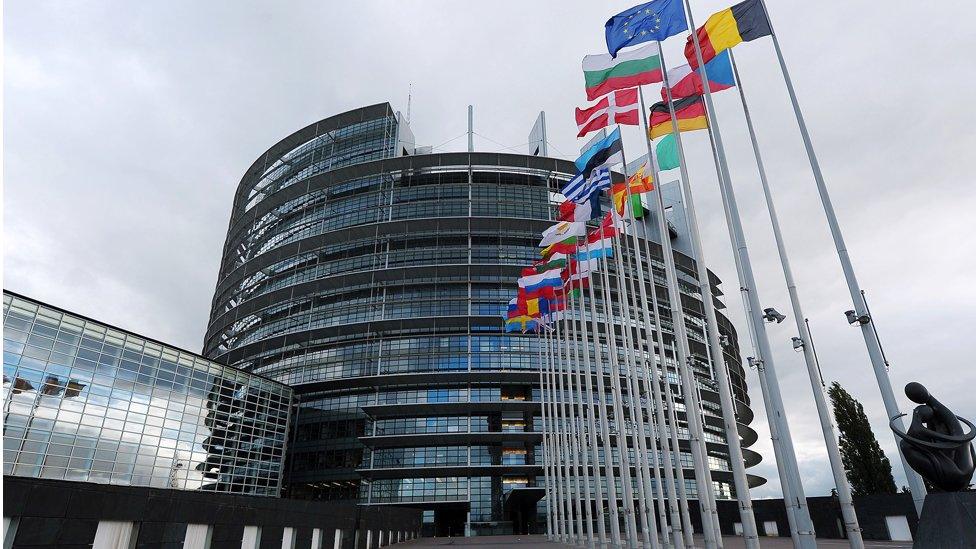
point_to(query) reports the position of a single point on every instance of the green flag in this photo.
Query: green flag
(636, 206)
(667, 153)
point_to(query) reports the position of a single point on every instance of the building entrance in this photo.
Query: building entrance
(450, 522)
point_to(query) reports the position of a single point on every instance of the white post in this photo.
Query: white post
(826, 424)
(547, 479)
(576, 404)
(582, 429)
(621, 427)
(805, 529)
(470, 128)
(915, 482)
(592, 440)
(624, 284)
(614, 514)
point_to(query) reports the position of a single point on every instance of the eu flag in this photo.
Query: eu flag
(650, 22)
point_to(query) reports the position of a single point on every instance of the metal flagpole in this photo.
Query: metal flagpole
(621, 428)
(689, 528)
(559, 424)
(545, 431)
(605, 424)
(578, 404)
(624, 280)
(861, 317)
(645, 364)
(572, 476)
(805, 528)
(749, 530)
(651, 380)
(641, 471)
(591, 410)
(826, 424)
(695, 429)
(554, 438)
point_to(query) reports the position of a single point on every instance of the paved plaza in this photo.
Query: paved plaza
(531, 542)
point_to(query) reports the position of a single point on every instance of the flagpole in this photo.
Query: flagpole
(863, 318)
(605, 423)
(737, 462)
(624, 280)
(806, 531)
(578, 403)
(545, 431)
(572, 476)
(639, 368)
(591, 410)
(687, 525)
(621, 428)
(651, 380)
(826, 424)
(628, 297)
(554, 437)
(558, 439)
(650, 385)
(698, 450)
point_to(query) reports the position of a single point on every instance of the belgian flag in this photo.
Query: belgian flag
(742, 22)
(690, 112)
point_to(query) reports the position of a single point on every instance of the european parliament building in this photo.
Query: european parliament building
(371, 275)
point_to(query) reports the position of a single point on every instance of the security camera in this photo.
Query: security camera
(724, 340)
(772, 315)
(797, 343)
(852, 318)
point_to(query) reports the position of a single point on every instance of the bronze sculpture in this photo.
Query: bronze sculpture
(936, 445)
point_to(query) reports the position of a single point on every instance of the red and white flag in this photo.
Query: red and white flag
(619, 107)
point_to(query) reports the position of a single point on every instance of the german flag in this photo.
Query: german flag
(690, 112)
(742, 22)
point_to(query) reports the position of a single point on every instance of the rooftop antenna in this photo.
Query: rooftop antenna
(409, 95)
(470, 128)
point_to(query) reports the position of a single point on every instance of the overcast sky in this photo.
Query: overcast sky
(128, 125)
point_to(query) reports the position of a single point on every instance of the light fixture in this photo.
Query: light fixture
(770, 315)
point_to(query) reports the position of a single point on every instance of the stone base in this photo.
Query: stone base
(948, 521)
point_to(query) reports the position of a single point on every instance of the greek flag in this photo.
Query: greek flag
(579, 189)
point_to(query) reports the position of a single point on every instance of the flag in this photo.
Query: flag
(534, 282)
(571, 211)
(562, 231)
(603, 73)
(742, 22)
(580, 189)
(546, 292)
(619, 107)
(601, 247)
(516, 307)
(605, 152)
(619, 192)
(685, 81)
(650, 22)
(567, 246)
(690, 112)
(667, 153)
(517, 324)
(555, 261)
(639, 183)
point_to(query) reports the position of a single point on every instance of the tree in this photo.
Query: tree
(868, 469)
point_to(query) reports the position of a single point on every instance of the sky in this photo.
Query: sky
(128, 125)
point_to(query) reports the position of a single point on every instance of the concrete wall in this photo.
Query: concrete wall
(50, 513)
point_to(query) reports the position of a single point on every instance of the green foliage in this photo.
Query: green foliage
(868, 469)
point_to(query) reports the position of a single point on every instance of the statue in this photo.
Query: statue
(935, 444)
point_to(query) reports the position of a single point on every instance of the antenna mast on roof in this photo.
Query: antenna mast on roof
(409, 94)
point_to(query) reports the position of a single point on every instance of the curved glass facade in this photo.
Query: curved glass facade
(374, 285)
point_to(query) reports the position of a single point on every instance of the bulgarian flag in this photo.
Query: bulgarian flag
(604, 73)
(619, 107)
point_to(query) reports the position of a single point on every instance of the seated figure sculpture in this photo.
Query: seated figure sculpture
(936, 445)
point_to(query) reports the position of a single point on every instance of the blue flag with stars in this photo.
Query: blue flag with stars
(650, 22)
